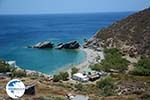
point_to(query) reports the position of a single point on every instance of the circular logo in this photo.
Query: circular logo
(15, 88)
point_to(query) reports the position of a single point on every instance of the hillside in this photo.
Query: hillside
(131, 35)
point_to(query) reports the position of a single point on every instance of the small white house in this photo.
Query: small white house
(12, 63)
(80, 77)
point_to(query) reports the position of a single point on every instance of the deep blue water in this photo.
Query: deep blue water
(18, 31)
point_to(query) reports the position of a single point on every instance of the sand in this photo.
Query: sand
(91, 58)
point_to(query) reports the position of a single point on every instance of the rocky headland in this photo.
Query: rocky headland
(131, 35)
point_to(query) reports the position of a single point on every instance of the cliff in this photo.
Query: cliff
(131, 35)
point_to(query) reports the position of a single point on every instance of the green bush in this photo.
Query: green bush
(4, 67)
(113, 60)
(106, 85)
(19, 73)
(112, 51)
(74, 70)
(64, 76)
(106, 82)
(61, 76)
(56, 78)
(142, 68)
(96, 67)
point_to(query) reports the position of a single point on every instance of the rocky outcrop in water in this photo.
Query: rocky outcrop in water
(131, 35)
(68, 45)
(42, 45)
(47, 44)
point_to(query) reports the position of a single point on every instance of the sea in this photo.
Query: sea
(19, 31)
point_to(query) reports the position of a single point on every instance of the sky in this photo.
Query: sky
(70, 6)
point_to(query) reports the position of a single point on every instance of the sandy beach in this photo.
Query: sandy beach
(91, 58)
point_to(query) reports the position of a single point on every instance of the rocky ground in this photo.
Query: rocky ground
(131, 35)
(128, 88)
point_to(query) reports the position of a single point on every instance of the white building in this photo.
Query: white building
(77, 97)
(12, 63)
(80, 77)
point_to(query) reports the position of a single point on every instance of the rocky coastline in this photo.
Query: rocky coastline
(130, 35)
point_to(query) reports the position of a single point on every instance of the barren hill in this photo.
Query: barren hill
(131, 35)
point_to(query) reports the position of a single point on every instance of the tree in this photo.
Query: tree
(61, 76)
(64, 76)
(56, 78)
(74, 70)
(4, 67)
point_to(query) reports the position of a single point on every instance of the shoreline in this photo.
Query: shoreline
(91, 56)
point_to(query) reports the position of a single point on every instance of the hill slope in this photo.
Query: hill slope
(131, 35)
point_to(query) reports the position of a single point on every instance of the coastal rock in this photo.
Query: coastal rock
(42, 45)
(93, 44)
(59, 46)
(69, 45)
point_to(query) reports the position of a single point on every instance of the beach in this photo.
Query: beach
(92, 57)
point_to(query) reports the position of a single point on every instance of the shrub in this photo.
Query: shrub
(64, 76)
(19, 73)
(56, 78)
(106, 82)
(4, 67)
(79, 86)
(61, 76)
(74, 70)
(112, 51)
(142, 68)
(113, 60)
(106, 85)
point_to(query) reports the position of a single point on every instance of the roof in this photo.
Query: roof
(80, 75)
(11, 62)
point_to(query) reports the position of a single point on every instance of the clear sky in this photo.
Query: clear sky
(70, 6)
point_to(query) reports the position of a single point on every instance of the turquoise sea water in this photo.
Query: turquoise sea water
(18, 31)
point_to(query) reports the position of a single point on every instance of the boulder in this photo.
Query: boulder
(68, 45)
(71, 45)
(59, 46)
(42, 45)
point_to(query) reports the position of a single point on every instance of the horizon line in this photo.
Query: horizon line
(67, 13)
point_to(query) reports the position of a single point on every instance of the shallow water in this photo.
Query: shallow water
(18, 31)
